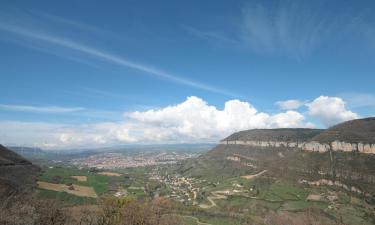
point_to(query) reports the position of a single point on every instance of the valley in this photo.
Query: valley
(232, 183)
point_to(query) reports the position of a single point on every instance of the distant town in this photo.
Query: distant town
(119, 160)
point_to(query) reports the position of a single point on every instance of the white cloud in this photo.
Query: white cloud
(330, 110)
(192, 120)
(290, 104)
(40, 109)
(289, 119)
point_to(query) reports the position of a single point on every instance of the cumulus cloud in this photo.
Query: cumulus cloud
(330, 110)
(290, 104)
(196, 119)
(192, 120)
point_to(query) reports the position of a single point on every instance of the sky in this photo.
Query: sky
(78, 74)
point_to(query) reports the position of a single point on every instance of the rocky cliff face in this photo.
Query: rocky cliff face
(313, 146)
(351, 136)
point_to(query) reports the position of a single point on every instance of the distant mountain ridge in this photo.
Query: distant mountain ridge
(280, 134)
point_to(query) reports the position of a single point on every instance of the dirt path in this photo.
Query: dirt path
(252, 176)
(215, 196)
(197, 220)
(245, 157)
(191, 217)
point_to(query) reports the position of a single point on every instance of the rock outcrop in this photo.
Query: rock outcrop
(312, 146)
(350, 136)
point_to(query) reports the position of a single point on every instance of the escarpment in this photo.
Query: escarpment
(351, 136)
(342, 156)
(313, 146)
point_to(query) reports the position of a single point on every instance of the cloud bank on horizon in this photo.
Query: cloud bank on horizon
(191, 121)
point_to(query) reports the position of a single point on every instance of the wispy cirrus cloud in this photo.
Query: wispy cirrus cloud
(107, 57)
(209, 35)
(282, 28)
(288, 28)
(86, 113)
(75, 24)
(40, 109)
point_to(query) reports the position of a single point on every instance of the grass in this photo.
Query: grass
(271, 194)
(100, 183)
(218, 220)
(64, 173)
(63, 196)
(288, 192)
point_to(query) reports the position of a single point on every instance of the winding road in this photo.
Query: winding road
(215, 195)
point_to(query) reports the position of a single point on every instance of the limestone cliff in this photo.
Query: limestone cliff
(351, 136)
(310, 146)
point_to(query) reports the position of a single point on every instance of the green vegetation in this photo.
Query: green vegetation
(281, 134)
(63, 176)
(63, 196)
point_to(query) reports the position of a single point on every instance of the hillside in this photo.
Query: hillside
(28, 152)
(248, 152)
(16, 173)
(282, 134)
(353, 131)
(8, 157)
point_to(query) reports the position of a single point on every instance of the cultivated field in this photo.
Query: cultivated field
(110, 174)
(74, 189)
(80, 178)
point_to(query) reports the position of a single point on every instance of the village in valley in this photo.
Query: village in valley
(120, 160)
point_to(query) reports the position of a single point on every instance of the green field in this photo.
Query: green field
(258, 197)
(135, 183)
(68, 198)
(101, 184)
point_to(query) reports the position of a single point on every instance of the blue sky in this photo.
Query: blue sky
(88, 73)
